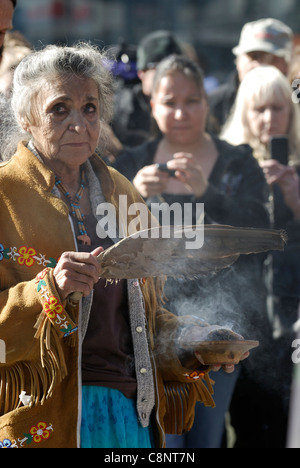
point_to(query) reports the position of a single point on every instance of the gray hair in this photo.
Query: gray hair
(82, 59)
(10, 132)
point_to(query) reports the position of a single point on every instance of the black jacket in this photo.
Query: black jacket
(237, 191)
(132, 121)
(220, 102)
(236, 195)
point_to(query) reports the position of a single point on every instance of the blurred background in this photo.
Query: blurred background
(212, 27)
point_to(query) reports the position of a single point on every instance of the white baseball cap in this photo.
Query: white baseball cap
(266, 35)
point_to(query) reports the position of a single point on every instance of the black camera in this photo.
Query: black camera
(164, 168)
(279, 149)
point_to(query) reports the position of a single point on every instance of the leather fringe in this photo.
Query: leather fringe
(180, 399)
(38, 379)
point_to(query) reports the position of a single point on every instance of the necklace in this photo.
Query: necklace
(75, 209)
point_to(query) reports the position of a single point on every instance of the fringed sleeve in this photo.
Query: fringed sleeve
(35, 327)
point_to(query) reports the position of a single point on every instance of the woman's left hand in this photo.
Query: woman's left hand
(228, 368)
(204, 333)
(189, 172)
(288, 180)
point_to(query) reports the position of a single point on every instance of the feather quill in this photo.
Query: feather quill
(148, 254)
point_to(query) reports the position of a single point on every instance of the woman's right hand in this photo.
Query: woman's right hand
(150, 181)
(77, 272)
(288, 180)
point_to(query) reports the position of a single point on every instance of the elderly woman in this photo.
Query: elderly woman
(75, 368)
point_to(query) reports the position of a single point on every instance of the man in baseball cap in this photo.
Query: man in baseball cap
(132, 121)
(267, 41)
(155, 47)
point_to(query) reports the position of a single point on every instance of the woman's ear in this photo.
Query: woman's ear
(24, 124)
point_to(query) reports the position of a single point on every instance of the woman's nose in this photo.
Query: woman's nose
(77, 123)
(268, 114)
(179, 113)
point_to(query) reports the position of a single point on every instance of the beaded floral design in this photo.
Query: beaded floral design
(36, 435)
(5, 444)
(40, 432)
(54, 310)
(26, 256)
(195, 375)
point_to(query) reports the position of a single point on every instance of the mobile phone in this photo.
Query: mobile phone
(279, 149)
(164, 168)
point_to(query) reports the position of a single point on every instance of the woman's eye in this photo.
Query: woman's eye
(59, 109)
(90, 108)
(259, 110)
(277, 108)
(168, 103)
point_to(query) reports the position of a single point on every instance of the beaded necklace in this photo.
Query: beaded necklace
(75, 209)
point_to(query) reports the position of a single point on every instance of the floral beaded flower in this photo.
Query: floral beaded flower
(5, 444)
(40, 432)
(26, 256)
(195, 375)
(52, 307)
(40, 276)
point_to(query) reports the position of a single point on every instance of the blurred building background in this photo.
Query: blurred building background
(211, 26)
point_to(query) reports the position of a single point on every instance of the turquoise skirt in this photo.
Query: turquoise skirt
(110, 420)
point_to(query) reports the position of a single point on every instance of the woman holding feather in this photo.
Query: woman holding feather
(94, 373)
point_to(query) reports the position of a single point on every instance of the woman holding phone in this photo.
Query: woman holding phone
(187, 166)
(266, 118)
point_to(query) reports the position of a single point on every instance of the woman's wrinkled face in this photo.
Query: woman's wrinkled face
(180, 108)
(269, 118)
(65, 123)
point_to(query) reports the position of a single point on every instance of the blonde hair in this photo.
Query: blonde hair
(262, 84)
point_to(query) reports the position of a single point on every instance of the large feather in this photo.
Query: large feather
(149, 254)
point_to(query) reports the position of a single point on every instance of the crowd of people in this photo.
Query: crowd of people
(220, 147)
(105, 371)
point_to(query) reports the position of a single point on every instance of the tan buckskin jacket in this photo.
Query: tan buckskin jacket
(42, 335)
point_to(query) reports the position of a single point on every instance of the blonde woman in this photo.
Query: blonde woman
(264, 109)
(264, 96)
